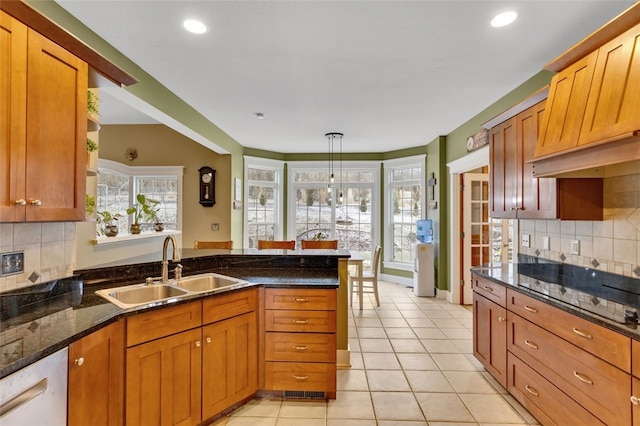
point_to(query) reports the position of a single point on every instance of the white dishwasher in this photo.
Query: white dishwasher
(37, 394)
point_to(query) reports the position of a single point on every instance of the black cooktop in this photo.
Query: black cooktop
(612, 296)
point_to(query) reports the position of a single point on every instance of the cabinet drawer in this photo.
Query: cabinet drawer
(546, 402)
(300, 347)
(227, 305)
(495, 292)
(300, 299)
(602, 342)
(163, 322)
(301, 321)
(296, 376)
(597, 385)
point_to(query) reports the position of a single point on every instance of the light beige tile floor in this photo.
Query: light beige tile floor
(411, 364)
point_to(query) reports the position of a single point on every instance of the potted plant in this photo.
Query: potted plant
(89, 205)
(92, 103)
(145, 209)
(92, 146)
(109, 228)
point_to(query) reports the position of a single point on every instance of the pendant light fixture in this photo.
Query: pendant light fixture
(332, 138)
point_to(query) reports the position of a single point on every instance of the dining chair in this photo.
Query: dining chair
(228, 245)
(319, 244)
(271, 244)
(369, 278)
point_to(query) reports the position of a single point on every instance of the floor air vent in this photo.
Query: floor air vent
(304, 394)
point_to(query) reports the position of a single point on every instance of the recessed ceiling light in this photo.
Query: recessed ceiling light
(503, 19)
(259, 115)
(194, 26)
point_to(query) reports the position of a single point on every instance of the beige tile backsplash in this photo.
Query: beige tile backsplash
(49, 251)
(613, 244)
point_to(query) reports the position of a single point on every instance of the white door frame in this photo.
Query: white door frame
(471, 161)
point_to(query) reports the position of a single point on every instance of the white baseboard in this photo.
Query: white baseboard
(397, 280)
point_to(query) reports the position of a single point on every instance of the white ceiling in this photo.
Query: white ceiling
(388, 74)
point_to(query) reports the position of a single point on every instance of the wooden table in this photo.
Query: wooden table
(357, 260)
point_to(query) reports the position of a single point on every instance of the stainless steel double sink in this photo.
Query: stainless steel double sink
(154, 292)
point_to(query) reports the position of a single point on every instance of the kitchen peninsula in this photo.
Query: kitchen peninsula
(234, 343)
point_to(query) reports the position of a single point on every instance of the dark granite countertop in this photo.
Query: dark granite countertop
(608, 299)
(38, 320)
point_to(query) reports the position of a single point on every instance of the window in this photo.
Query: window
(262, 200)
(404, 179)
(118, 185)
(319, 213)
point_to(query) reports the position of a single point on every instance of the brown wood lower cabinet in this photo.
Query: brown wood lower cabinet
(163, 381)
(181, 372)
(489, 337)
(564, 369)
(300, 340)
(96, 378)
(229, 363)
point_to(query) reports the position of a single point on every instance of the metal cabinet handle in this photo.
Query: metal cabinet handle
(531, 390)
(208, 340)
(635, 400)
(583, 378)
(301, 348)
(582, 333)
(21, 202)
(502, 319)
(530, 309)
(531, 344)
(301, 299)
(198, 343)
(35, 202)
(301, 321)
(490, 289)
(300, 377)
(23, 397)
(79, 361)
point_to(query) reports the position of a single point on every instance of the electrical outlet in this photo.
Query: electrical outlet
(524, 240)
(12, 263)
(545, 243)
(575, 246)
(215, 226)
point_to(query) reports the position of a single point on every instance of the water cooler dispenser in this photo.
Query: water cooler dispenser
(423, 260)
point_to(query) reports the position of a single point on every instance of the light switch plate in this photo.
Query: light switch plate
(575, 246)
(545, 243)
(524, 240)
(215, 226)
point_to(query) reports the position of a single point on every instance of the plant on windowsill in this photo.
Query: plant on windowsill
(107, 223)
(145, 209)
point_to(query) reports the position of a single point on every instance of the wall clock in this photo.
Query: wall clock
(478, 140)
(207, 185)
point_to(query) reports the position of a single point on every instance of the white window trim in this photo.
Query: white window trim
(388, 166)
(177, 171)
(278, 167)
(293, 166)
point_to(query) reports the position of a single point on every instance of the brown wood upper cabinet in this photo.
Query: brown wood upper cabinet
(515, 192)
(43, 128)
(593, 107)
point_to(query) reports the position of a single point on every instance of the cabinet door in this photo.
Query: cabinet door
(612, 108)
(537, 195)
(96, 378)
(56, 132)
(503, 161)
(565, 107)
(13, 109)
(490, 337)
(230, 363)
(163, 381)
